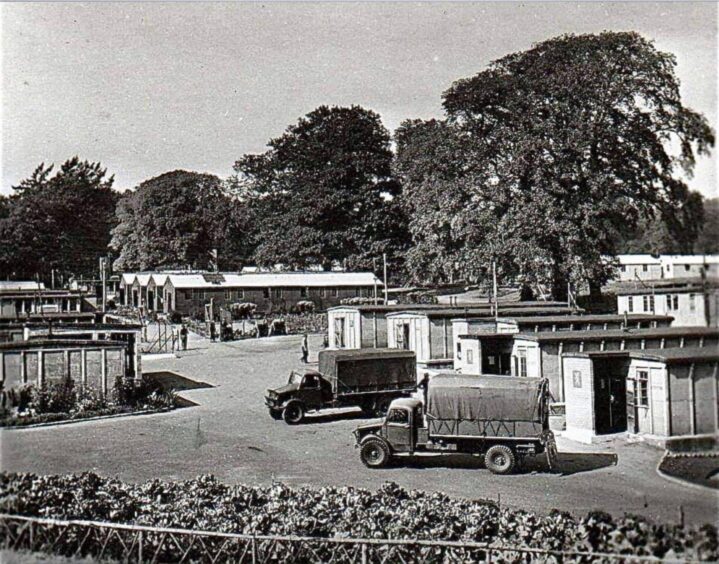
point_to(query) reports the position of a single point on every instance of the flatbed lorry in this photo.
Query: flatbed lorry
(366, 378)
(502, 418)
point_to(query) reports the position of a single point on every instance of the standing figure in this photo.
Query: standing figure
(305, 348)
(183, 337)
(423, 385)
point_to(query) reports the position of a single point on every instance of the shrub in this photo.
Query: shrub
(304, 306)
(89, 399)
(243, 310)
(359, 300)
(174, 317)
(55, 397)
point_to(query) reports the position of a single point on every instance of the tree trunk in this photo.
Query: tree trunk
(559, 287)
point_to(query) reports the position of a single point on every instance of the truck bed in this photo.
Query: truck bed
(457, 428)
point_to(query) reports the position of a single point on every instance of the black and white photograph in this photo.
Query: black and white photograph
(359, 282)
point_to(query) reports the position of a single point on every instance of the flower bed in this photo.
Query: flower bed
(391, 512)
(62, 401)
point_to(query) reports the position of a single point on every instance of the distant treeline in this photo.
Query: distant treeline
(544, 162)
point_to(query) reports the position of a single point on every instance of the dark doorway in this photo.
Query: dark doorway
(610, 396)
(405, 336)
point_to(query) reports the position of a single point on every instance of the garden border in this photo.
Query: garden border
(84, 419)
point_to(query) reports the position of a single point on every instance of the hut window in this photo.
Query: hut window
(630, 304)
(523, 363)
(692, 302)
(334, 292)
(303, 292)
(322, 292)
(266, 293)
(642, 398)
(470, 359)
(644, 268)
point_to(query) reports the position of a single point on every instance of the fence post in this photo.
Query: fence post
(253, 545)
(364, 553)
(139, 547)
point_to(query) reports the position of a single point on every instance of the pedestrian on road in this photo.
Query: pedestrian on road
(305, 348)
(423, 385)
(213, 331)
(183, 337)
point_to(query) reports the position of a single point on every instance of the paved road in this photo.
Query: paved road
(230, 434)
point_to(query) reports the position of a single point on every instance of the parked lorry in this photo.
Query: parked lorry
(366, 378)
(502, 418)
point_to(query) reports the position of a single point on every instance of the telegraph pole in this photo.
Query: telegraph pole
(384, 260)
(103, 278)
(374, 273)
(494, 290)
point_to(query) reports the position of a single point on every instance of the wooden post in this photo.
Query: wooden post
(83, 367)
(40, 368)
(692, 406)
(104, 371)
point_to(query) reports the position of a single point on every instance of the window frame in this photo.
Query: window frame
(641, 387)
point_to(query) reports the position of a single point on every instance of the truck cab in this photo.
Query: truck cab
(303, 391)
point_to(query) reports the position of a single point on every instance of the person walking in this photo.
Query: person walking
(305, 348)
(183, 337)
(213, 331)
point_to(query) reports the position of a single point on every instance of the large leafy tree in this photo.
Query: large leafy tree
(554, 151)
(57, 221)
(323, 192)
(176, 220)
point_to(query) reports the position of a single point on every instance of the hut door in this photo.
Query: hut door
(610, 397)
(339, 332)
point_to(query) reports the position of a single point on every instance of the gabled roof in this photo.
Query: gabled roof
(274, 279)
(143, 278)
(20, 285)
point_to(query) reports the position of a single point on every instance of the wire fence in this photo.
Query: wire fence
(134, 543)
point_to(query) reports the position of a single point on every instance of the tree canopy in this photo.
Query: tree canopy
(59, 221)
(176, 220)
(323, 192)
(545, 156)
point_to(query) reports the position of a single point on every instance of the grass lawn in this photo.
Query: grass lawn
(700, 470)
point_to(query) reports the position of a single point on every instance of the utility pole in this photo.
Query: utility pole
(52, 273)
(494, 291)
(384, 260)
(103, 279)
(374, 274)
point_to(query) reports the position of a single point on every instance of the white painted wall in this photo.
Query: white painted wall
(689, 312)
(418, 333)
(468, 360)
(349, 321)
(579, 398)
(530, 350)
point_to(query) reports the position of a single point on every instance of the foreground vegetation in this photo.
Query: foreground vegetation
(390, 512)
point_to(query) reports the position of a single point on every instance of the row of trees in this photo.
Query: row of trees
(545, 162)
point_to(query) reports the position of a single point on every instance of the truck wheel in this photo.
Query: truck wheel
(381, 406)
(374, 454)
(500, 459)
(275, 414)
(293, 414)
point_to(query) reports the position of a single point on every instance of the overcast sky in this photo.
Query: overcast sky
(146, 88)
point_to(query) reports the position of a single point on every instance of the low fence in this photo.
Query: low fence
(132, 543)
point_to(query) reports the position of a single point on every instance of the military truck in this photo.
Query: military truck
(366, 378)
(502, 418)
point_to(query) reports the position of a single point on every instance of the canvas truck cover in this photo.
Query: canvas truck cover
(486, 398)
(366, 370)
